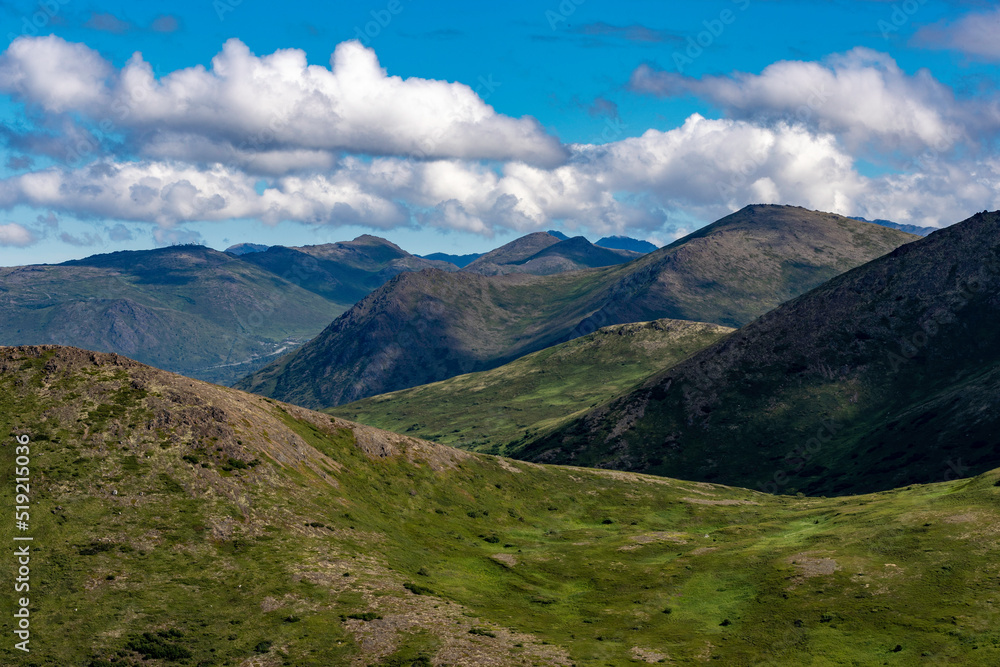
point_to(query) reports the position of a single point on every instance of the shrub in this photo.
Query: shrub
(263, 647)
(154, 647)
(482, 632)
(190, 458)
(95, 548)
(365, 616)
(235, 464)
(417, 589)
(492, 539)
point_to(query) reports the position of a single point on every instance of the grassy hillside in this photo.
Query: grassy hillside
(429, 326)
(188, 309)
(885, 376)
(492, 410)
(181, 523)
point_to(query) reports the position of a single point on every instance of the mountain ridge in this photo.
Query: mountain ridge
(827, 371)
(428, 326)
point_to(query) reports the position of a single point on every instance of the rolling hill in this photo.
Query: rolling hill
(429, 326)
(492, 410)
(885, 376)
(176, 522)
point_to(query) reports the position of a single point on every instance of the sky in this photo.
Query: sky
(456, 126)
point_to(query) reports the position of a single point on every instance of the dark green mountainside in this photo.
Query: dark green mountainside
(429, 326)
(179, 523)
(493, 411)
(885, 376)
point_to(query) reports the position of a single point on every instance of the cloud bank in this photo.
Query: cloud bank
(273, 138)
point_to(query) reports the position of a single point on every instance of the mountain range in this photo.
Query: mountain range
(909, 229)
(211, 315)
(195, 524)
(885, 376)
(429, 326)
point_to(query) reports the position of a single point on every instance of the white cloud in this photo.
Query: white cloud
(18, 236)
(701, 170)
(975, 34)
(55, 74)
(862, 96)
(275, 107)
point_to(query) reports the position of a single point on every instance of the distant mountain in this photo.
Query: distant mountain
(516, 252)
(909, 229)
(188, 309)
(559, 235)
(246, 248)
(885, 376)
(192, 310)
(429, 326)
(458, 260)
(626, 243)
(191, 524)
(553, 256)
(343, 272)
(492, 410)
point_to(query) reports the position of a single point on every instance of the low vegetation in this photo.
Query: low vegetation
(230, 568)
(495, 411)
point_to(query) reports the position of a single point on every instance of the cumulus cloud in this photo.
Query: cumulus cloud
(974, 34)
(15, 235)
(862, 96)
(705, 168)
(276, 103)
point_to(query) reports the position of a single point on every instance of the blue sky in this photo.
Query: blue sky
(456, 127)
